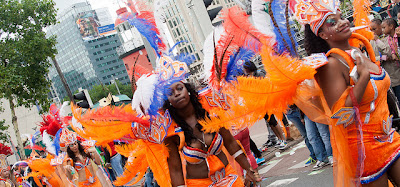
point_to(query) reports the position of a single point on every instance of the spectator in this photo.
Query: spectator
(377, 43)
(294, 116)
(391, 64)
(319, 137)
(395, 9)
(256, 152)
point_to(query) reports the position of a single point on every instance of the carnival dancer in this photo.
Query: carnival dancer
(6, 179)
(206, 163)
(355, 88)
(81, 159)
(145, 138)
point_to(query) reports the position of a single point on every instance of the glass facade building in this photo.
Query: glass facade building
(105, 60)
(84, 59)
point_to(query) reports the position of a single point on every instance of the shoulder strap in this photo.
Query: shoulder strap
(346, 56)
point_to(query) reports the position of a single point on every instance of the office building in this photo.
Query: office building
(135, 51)
(190, 21)
(86, 44)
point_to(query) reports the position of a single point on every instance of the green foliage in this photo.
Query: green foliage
(24, 50)
(3, 133)
(97, 92)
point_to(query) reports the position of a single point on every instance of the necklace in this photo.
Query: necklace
(202, 141)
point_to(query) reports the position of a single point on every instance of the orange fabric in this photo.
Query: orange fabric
(87, 183)
(379, 152)
(361, 11)
(226, 176)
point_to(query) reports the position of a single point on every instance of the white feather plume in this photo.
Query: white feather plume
(208, 50)
(159, 16)
(76, 124)
(48, 143)
(261, 19)
(143, 96)
(65, 109)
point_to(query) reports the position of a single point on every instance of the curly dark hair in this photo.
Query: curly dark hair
(72, 155)
(200, 113)
(391, 22)
(314, 43)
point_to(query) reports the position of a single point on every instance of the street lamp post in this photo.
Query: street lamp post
(115, 82)
(133, 81)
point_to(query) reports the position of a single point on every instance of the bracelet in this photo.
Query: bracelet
(239, 152)
(181, 186)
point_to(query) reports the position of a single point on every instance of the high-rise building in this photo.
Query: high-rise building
(135, 51)
(86, 44)
(105, 60)
(190, 21)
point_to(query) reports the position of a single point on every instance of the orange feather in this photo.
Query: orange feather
(106, 124)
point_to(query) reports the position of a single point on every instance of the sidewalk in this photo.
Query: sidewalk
(259, 134)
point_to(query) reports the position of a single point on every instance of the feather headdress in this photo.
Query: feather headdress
(284, 34)
(50, 124)
(259, 95)
(106, 124)
(143, 19)
(361, 11)
(5, 150)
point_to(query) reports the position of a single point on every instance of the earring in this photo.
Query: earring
(331, 35)
(326, 38)
(337, 30)
(189, 93)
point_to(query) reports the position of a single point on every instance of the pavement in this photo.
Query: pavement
(286, 167)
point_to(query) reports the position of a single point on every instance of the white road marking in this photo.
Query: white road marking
(299, 165)
(316, 172)
(269, 166)
(282, 182)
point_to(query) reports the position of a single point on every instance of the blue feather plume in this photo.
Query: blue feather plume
(34, 137)
(278, 10)
(173, 47)
(56, 142)
(147, 29)
(236, 61)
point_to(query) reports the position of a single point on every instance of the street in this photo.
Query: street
(287, 168)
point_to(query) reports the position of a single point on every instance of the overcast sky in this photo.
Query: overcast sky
(112, 5)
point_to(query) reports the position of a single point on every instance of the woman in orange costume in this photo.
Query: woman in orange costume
(364, 144)
(81, 159)
(206, 165)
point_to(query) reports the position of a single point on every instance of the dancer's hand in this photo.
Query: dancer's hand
(362, 67)
(252, 176)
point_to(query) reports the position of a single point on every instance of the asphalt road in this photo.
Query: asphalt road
(288, 169)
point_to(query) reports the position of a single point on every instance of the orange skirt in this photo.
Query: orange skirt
(381, 150)
(88, 184)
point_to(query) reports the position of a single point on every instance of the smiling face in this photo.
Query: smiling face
(178, 95)
(335, 28)
(74, 147)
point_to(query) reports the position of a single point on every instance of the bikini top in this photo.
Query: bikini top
(79, 166)
(197, 156)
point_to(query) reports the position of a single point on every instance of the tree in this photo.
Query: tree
(3, 133)
(24, 54)
(98, 92)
